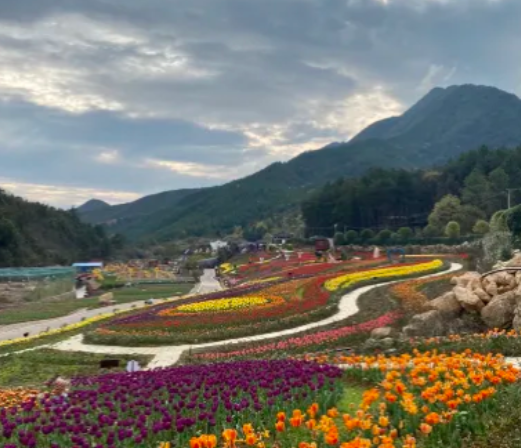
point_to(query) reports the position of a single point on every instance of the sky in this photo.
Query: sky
(114, 99)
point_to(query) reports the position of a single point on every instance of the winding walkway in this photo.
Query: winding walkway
(168, 355)
(206, 284)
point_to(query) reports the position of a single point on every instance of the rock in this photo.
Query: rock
(499, 313)
(430, 323)
(518, 277)
(515, 261)
(491, 289)
(382, 332)
(446, 304)
(503, 278)
(387, 343)
(465, 279)
(483, 295)
(468, 300)
(474, 284)
(371, 344)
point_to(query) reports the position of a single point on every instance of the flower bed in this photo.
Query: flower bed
(410, 295)
(420, 399)
(346, 280)
(15, 397)
(146, 408)
(285, 305)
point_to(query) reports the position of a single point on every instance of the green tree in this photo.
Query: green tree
(351, 236)
(476, 190)
(445, 210)
(366, 235)
(404, 234)
(481, 227)
(467, 217)
(430, 231)
(499, 181)
(384, 236)
(339, 239)
(452, 230)
(268, 238)
(498, 222)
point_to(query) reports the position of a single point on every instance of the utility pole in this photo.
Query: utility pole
(509, 191)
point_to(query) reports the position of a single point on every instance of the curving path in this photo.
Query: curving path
(168, 355)
(15, 331)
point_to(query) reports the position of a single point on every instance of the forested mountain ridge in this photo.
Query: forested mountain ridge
(33, 234)
(444, 124)
(391, 198)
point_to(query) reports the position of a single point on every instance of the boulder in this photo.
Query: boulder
(382, 332)
(465, 279)
(468, 300)
(515, 261)
(483, 295)
(387, 343)
(428, 324)
(446, 304)
(518, 277)
(503, 278)
(499, 313)
(491, 289)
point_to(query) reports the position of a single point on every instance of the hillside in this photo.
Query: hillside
(394, 198)
(33, 234)
(92, 206)
(444, 124)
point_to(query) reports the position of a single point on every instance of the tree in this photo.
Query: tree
(430, 231)
(384, 236)
(499, 181)
(498, 222)
(445, 210)
(268, 238)
(481, 227)
(339, 239)
(366, 235)
(404, 234)
(477, 190)
(452, 230)
(467, 217)
(351, 236)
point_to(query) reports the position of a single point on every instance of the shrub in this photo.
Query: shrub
(351, 236)
(339, 239)
(452, 230)
(366, 235)
(481, 227)
(405, 234)
(384, 236)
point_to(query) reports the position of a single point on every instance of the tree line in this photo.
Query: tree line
(34, 234)
(454, 200)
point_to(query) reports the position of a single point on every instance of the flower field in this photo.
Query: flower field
(247, 310)
(409, 293)
(423, 399)
(147, 408)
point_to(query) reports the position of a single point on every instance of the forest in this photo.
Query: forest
(467, 191)
(33, 234)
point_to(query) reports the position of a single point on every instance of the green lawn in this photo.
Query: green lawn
(48, 310)
(38, 366)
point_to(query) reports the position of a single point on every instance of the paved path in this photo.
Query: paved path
(34, 327)
(207, 283)
(169, 355)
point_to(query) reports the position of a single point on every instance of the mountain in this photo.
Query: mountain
(33, 234)
(443, 124)
(92, 205)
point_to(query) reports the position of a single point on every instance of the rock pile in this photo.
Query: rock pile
(495, 299)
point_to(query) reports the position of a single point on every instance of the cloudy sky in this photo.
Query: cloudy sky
(115, 99)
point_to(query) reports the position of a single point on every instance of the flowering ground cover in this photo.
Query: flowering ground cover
(167, 405)
(410, 293)
(243, 312)
(424, 399)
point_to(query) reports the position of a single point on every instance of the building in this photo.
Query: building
(82, 268)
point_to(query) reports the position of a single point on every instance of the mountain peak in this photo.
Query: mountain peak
(91, 205)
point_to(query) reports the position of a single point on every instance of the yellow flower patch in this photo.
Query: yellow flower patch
(347, 280)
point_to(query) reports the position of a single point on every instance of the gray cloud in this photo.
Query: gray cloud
(93, 91)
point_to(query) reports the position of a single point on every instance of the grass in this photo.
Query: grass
(35, 367)
(351, 397)
(48, 310)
